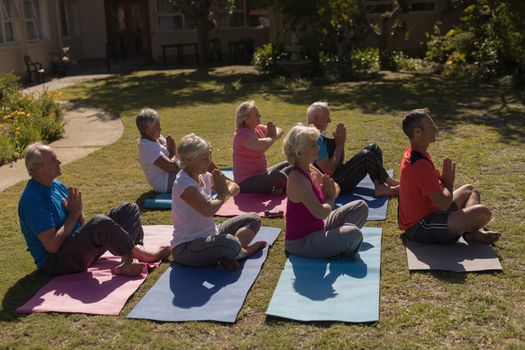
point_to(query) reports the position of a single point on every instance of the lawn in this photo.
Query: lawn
(482, 127)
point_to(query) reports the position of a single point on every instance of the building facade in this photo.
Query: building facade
(92, 29)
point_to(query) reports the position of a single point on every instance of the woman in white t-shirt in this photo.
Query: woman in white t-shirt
(196, 240)
(157, 154)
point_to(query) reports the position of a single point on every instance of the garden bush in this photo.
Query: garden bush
(266, 57)
(488, 43)
(26, 118)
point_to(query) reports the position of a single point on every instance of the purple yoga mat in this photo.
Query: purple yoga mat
(97, 291)
(252, 202)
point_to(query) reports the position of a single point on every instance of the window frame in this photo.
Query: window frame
(37, 22)
(174, 14)
(8, 20)
(223, 11)
(371, 3)
(71, 18)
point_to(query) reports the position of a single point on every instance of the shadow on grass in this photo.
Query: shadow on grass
(451, 102)
(20, 293)
(447, 276)
(275, 320)
(147, 195)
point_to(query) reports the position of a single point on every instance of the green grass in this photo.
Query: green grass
(482, 128)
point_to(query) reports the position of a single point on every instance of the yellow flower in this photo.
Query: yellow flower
(1, 126)
(30, 98)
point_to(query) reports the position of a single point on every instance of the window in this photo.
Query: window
(256, 16)
(68, 18)
(381, 6)
(33, 20)
(422, 5)
(234, 19)
(7, 21)
(170, 19)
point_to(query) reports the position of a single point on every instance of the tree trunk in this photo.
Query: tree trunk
(203, 31)
(344, 52)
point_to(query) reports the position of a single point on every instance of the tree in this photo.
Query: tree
(200, 13)
(489, 40)
(347, 22)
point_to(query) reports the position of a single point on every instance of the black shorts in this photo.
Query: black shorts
(434, 228)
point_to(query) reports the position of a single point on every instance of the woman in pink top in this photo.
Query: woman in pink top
(250, 142)
(313, 230)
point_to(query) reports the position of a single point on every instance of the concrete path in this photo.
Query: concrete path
(86, 130)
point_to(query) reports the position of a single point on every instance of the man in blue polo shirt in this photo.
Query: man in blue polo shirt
(56, 232)
(369, 160)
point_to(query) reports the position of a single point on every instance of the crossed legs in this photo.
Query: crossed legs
(472, 216)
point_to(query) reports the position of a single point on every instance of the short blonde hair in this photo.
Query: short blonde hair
(242, 112)
(296, 139)
(314, 109)
(191, 146)
(34, 154)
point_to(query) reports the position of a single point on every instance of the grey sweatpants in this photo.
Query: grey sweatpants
(264, 183)
(213, 249)
(341, 237)
(117, 232)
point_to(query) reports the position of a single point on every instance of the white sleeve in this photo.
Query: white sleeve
(181, 183)
(149, 152)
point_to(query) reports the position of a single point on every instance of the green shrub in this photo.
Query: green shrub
(26, 119)
(405, 63)
(488, 43)
(365, 59)
(266, 57)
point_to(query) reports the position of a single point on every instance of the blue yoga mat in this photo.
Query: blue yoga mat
(377, 207)
(203, 293)
(163, 200)
(331, 290)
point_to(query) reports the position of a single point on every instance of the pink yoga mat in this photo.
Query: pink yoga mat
(252, 202)
(97, 291)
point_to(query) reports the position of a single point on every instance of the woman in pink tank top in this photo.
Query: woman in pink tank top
(250, 142)
(313, 229)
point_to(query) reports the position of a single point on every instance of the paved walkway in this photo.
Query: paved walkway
(86, 130)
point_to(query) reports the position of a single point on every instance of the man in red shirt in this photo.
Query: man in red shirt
(430, 211)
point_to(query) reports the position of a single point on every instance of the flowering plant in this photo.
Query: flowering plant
(63, 57)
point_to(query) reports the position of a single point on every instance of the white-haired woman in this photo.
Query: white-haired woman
(157, 154)
(196, 240)
(250, 142)
(313, 228)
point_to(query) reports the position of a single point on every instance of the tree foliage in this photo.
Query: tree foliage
(338, 25)
(200, 12)
(488, 42)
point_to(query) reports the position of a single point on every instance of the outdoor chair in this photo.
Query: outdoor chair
(33, 68)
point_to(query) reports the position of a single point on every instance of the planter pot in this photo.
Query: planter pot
(61, 69)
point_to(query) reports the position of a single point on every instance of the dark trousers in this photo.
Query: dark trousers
(117, 232)
(369, 160)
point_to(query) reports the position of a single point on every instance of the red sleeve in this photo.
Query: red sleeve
(428, 181)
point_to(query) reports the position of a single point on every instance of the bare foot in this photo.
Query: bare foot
(482, 236)
(250, 250)
(131, 269)
(383, 190)
(392, 182)
(276, 191)
(145, 256)
(230, 265)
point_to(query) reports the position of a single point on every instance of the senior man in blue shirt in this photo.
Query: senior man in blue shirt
(55, 229)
